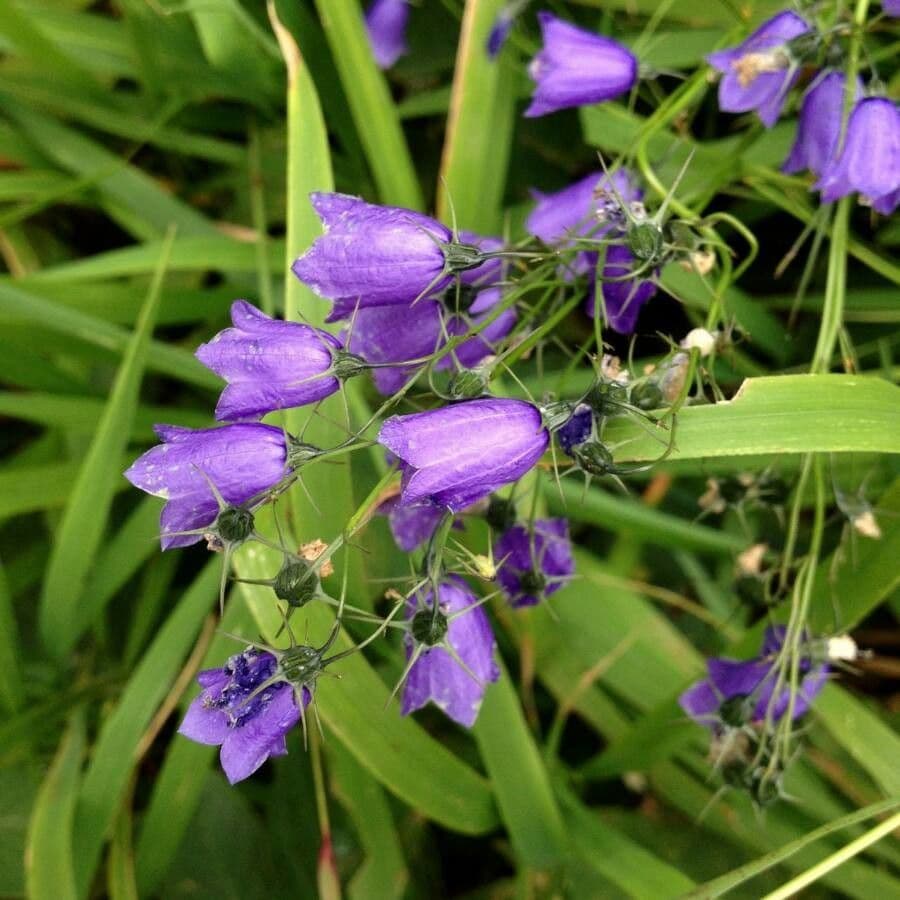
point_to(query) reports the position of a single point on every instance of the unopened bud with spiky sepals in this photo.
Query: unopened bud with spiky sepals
(646, 395)
(594, 458)
(233, 525)
(429, 627)
(296, 583)
(348, 365)
(645, 241)
(606, 397)
(556, 413)
(468, 384)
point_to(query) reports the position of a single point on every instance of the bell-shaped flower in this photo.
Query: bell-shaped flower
(239, 461)
(534, 563)
(453, 679)
(869, 160)
(736, 693)
(246, 713)
(386, 22)
(819, 128)
(757, 74)
(269, 364)
(577, 67)
(458, 454)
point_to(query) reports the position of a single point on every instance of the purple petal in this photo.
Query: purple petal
(577, 430)
(391, 334)
(411, 526)
(488, 272)
(471, 352)
(436, 677)
(622, 300)
(701, 703)
(248, 746)
(547, 551)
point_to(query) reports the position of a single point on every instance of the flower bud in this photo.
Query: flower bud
(234, 524)
(296, 583)
(300, 665)
(605, 397)
(645, 241)
(593, 457)
(348, 365)
(467, 384)
(428, 628)
(647, 395)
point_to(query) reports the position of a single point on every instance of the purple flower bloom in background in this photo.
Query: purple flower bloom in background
(891, 7)
(752, 681)
(471, 352)
(819, 127)
(248, 729)
(869, 161)
(240, 460)
(580, 210)
(437, 677)
(396, 334)
(576, 67)
(411, 526)
(758, 73)
(622, 300)
(372, 255)
(268, 364)
(577, 430)
(534, 565)
(458, 454)
(386, 22)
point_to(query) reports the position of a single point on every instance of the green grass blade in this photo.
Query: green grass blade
(519, 778)
(114, 758)
(480, 126)
(383, 875)
(781, 415)
(11, 697)
(50, 867)
(78, 538)
(120, 880)
(725, 883)
(370, 103)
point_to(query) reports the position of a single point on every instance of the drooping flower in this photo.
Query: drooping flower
(375, 255)
(239, 712)
(622, 299)
(458, 454)
(386, 22)
(737, 693)
(240, 460)
(269, 364)
(396, 334)
(819, 127)
(533, 564)
(589, 207)
(576, 67)
(758, 73)
(436, 677)
(869, 160)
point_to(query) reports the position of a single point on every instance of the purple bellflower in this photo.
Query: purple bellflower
(245, 711)
(737, 693)
(436, 676)
(758, 73)
(819, 128)
(891, 8)
(240, 460)
(622, 300)
(375, 255)
(490, 271)
(580, 210)
(411, 526)
(269, 364)
(386, 22)
(576, 68)
(869, 160)
(532, 565)
(458, 454)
